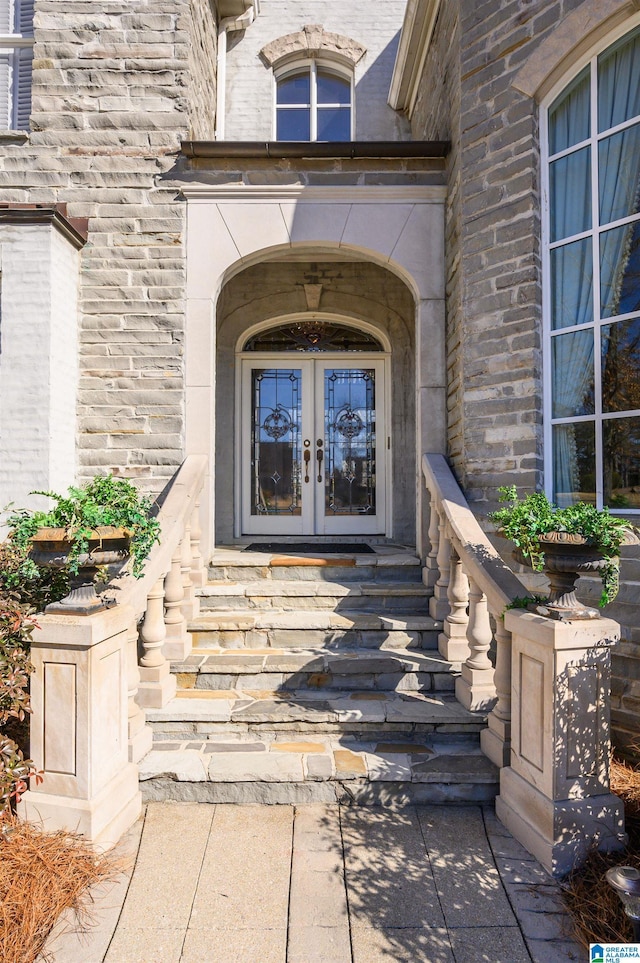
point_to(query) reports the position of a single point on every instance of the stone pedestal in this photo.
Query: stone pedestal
(79, 727)
(555, 796)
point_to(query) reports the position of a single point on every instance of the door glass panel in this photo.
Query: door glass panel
(350, 442)
(276, 441)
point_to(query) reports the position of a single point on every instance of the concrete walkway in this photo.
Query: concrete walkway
(322, 884)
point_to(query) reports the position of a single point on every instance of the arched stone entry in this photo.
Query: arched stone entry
(356, 293)
(388, 245)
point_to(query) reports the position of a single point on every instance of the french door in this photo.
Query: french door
(313, 445)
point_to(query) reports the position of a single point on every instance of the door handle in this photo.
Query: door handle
(307, 459)
(319, 456)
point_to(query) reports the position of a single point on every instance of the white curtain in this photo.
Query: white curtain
(619, 184)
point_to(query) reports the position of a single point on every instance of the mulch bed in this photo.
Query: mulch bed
(595, 909)
(42, 874)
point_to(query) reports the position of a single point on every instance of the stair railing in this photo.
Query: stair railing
(472, 587)
(89, 689)
(163, 601)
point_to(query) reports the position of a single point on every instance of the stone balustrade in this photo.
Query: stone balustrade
(548, 696)
(472, 588)
(95, 674)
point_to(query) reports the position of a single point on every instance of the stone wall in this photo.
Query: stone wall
(437, 117)
(250, 90)
(115, 89)
(201, 92)
(494, 324)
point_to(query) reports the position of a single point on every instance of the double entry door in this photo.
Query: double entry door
(313, 446)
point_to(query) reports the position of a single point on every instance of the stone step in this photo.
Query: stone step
(195, 712)
(313, 629)
(232, 768)
(318, 669)
(284, 595)
(233, 565)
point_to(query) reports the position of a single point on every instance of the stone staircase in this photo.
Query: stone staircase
(316, 679)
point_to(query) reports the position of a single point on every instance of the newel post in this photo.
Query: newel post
(554, 797)
(79, 727)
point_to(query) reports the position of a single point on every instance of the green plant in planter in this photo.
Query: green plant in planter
(104, 501)
(524, 520)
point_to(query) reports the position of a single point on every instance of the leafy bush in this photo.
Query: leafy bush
(104, 501)
(16, 626)
(524, 520)
(23, 580)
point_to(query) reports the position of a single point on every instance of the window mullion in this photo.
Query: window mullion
(595, 249)
(314, 100)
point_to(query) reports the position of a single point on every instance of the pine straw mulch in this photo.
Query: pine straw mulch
(42, 874)
(595, 909)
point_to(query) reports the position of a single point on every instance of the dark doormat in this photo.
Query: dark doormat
(306, 548)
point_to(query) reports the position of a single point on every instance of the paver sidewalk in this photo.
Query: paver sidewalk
(325, 884)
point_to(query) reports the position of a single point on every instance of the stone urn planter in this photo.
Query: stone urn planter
(108, 551)
(566, 558)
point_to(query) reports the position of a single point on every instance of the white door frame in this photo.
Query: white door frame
(312, 520)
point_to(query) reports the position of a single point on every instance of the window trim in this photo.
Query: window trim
(598, 418)
(312, 65)
(12, 44)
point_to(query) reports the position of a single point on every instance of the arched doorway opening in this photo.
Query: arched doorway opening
(318, 358)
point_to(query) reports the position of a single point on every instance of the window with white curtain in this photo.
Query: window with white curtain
(16, 56)
(313, 102)
(592, 289)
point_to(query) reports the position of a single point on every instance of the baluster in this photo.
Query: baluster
(439, 603)
(475, 687)
(198, 573)
(177, 645)
(157, 685)
(496, 740)
(190, 604)
(452, 641)
(430, 570)
(140, 736)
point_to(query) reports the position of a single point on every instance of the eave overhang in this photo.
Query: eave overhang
(415, 37)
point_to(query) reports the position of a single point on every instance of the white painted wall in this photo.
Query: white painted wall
(38, 361)
(249, 95)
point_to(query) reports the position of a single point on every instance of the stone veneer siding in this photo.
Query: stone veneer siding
(493, 257)
(115, 88)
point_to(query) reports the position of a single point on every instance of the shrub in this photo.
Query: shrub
(16, 626)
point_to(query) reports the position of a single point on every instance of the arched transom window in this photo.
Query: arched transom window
(313, 335)
(592, 302)
(313, 102)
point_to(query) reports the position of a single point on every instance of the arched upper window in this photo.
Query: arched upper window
(313, 102)
(592, 302)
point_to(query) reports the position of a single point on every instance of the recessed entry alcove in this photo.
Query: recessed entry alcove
(310, 323)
